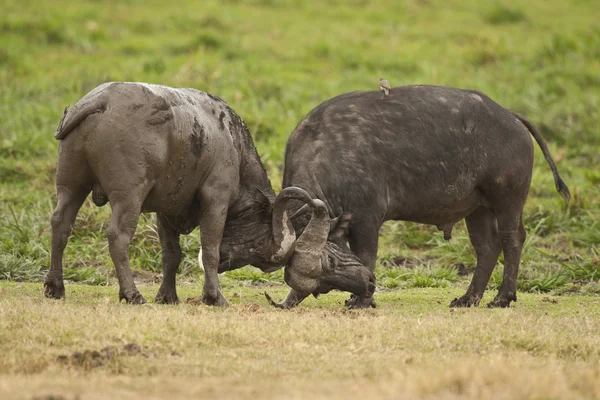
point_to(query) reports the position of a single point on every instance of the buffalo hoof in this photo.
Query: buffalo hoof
(356, 302)
(465, 301)
(214, 298)
(54, 289)
(502, 300)
(165, 296)
(132, 297)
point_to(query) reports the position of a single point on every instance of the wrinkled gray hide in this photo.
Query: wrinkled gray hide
(188, 157)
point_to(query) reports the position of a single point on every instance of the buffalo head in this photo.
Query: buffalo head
(261, 234)
(322, 261)
(317, 262)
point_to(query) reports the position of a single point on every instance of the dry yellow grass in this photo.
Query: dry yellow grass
(412, 346)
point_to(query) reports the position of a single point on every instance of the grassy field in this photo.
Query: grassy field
(273, 61)
(411, 346)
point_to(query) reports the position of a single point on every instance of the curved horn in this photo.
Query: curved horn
(284, 236)
(310, 246)
(301, 211)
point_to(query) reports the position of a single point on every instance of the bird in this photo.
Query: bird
(384, 86)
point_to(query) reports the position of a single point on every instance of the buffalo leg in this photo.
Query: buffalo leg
(122, 226)
(212, 224)
(63, 218)
(363, 240)
(512, 235)
(171, 258)
(483, 232)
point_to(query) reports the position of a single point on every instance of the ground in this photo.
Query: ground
(411, 346)
(273, 61)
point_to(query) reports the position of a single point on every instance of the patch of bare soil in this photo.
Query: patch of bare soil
(547, 299)
(250, 307)
(94, 358)
(146, 277)
(194, 300)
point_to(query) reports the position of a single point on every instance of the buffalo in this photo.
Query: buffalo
(187, 156)
(426, 154)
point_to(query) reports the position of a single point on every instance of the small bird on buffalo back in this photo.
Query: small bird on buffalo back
(384, 86)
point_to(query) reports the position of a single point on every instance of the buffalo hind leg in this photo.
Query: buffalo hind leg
(171, 258)
(212, 224)
(63, 218)
(512, 234)
(363, 240)
(483, 232)
(122, 226)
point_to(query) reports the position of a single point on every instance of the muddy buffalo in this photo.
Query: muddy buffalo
(188, 157)
(427, 154)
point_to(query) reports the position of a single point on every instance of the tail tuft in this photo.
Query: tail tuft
(562, 188)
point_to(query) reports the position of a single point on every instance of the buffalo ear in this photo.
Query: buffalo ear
(262, 201)
(339, 226)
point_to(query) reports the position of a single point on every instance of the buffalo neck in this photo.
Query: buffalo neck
(253, 176)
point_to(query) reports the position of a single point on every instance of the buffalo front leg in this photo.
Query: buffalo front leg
(120, 231)
(483, 232)
(63, 218)
(212, 224)
(512, 235)
(171, 258)
(363, 240)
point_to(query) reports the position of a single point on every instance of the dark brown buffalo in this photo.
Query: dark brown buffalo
(427, 154)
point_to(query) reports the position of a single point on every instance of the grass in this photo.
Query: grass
(539, 61)
(273, 61)
(411, 346)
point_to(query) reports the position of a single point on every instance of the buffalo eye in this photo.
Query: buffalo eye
(333, 262)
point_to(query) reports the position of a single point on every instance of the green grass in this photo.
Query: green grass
(273, 61)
